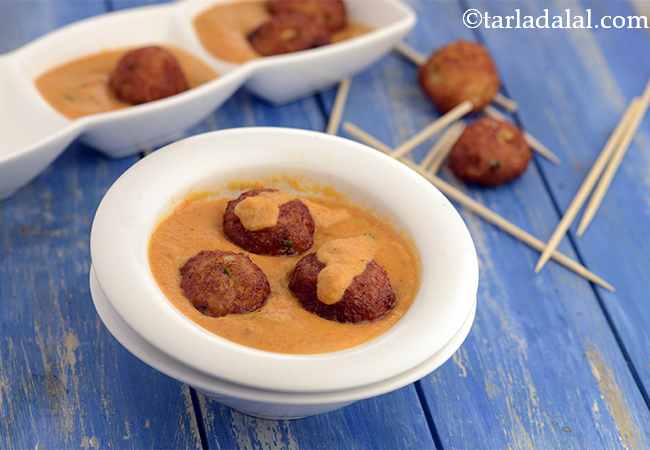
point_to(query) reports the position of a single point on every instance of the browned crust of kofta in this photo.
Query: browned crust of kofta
(330, 12)
(457, 72)
(287, 33)
(490, 152)
(369, 297)
(292, 235)
(147, 74)
(218, 283)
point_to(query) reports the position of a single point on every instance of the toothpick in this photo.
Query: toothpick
(339, 106)
(505, 102)
(531, 140)
(586, 187)
(445, 145)
(612, 167)
(481, 210)
(435, 126)
(409, 53)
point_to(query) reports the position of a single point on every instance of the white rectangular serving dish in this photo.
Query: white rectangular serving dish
(33, 134)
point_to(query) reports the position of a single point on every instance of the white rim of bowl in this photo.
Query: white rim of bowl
(160, 361)
(130, 209)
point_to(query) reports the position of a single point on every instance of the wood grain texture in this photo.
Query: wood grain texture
(608, 68)
(545, 365)
(541, 368)
(64, 381)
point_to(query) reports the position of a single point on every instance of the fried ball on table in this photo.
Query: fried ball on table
(490, 152)
(458, 72)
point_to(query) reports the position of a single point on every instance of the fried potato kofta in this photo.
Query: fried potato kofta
(287, 33)
(292, 234)
(331, 12)
(369, 296)
(458, 72)
(220, 283)
(490, 152)
(146, 74)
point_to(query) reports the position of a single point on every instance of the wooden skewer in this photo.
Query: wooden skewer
(435, 126)
(445, 145)
(586, 187)
(339, 105)
(612, 167)
(418, 59)
(361, 135)
(505, 102)
(481, 210)
(435, 148)
(514, 230)
(532, 141)
(409, 53)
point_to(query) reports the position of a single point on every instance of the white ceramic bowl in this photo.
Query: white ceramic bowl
(33, 134)
(257, 402)
(131, 208)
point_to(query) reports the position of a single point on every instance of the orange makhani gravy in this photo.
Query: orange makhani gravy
(282, 325)
(80, 87)
(223, 29)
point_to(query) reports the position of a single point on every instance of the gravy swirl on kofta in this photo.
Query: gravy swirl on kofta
(255, 289)
(289, 232)
(343, 282)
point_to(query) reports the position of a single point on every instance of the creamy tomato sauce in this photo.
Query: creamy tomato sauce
(223, 29)
(344, 259)
(80, 87)
(282, 325)
(262, 210)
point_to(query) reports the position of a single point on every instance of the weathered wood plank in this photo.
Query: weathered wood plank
(64, 381)
(541, 368)
(608, 68)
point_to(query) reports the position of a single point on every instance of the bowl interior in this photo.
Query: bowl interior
(134, 205)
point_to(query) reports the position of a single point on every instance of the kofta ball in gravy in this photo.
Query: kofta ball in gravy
(269, 222)
(490, 152)
(331, 12)
(80, 87)
(287, 33)
(283, 324)
(147, 74)
(226, 29)
(342, 282)
(220, 283)
(458, 72)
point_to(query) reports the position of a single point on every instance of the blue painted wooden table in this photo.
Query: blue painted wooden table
(552, 361)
